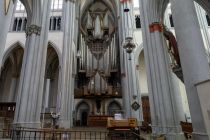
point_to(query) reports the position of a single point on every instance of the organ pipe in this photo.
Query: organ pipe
(97, 31)
(80, 52)
(106, 23)
(115, 53)
(89, 22)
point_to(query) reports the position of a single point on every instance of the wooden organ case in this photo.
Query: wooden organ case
(98, 73)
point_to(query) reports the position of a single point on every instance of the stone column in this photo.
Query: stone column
(136, 76)
(47, 93)
(4, 25)
(56, 23)
(178, 98)
(18, 22)
(124, 61)
(130, 92)
(195, 66)
(13, 89)
(136, 92)
(58, 101)
(66, 66)
(51, 25)
(22, 24)
(204, 28)
(29, 100)
(161, 92)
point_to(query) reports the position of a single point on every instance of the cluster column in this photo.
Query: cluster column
(131, 97)
(195, 66)
(160, 85)
(66, 94)
(29, 100)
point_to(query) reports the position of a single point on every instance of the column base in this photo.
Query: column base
(65, 124)
(27, 124)
(169, 136)
(170, 133)
(200, 136)
(175, 136)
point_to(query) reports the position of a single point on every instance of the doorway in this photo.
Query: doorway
(84, 117)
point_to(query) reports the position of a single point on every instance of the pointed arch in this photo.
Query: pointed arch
(205, 4)
(137, 52)
(82, 113)
(52, 73)
(113, 107)
(55, 47)
(10, 49)
(10, 72)
(108, 3)
(80, 102)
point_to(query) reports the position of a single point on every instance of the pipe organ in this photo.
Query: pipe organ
(98, 62)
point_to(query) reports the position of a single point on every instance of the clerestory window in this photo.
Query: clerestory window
(57, 4)
(20, 6)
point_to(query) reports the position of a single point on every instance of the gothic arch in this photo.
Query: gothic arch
(28, 6)
(82, 112)
(51, 78)
(55, 47)
(10, 49)
(114, 101)
(33, 9)
(82, 101)
(105, 6)
(156, 9)
(137, 52)
(10, 72)
(110, 4)
(113, 107)
(205, 4)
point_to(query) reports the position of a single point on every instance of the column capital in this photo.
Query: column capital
(156, 26)
(33, 29)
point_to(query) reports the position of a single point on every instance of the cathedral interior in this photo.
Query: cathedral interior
(69, 65)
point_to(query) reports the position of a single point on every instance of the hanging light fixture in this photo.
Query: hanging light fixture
(129, 45)
(126, 9)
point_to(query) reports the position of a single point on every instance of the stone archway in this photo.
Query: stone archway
(10, 72)
(52, 78)
(51, 97)
(114, 107)
(9, 84)
(82, 112)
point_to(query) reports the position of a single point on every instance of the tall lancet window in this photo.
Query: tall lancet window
(138, 21)
(208, 20)
(171, 20)
(57, 4)
(20, 6)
